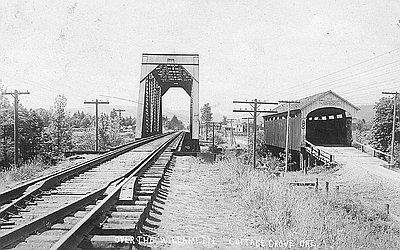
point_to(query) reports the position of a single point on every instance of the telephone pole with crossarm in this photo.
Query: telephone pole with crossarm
(254, 113)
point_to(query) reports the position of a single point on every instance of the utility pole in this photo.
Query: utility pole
(394, 122)
(248, 132)
(97, 102)
(15, 94)
(232, 137)
(287, 133)
(213, 136)
(255, 105)
(119, 112)
(119, 116)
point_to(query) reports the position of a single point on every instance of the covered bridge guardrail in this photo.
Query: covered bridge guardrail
(319, 154)
(370, 150)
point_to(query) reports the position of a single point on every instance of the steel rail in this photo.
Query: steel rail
(41, 222)
(51, 180)
(13, 193)
(73, 237)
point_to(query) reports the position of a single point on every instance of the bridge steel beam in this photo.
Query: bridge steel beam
(159, 73)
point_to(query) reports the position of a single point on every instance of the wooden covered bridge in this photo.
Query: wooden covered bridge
(324, 119)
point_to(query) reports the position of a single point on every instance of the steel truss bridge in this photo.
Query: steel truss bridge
(159, 73)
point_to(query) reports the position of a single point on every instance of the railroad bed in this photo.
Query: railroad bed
(88, 206)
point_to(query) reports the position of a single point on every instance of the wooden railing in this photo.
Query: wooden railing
(318, 153)
(370, 150)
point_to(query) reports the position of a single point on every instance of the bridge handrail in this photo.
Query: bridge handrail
(374, 151)
(323, 155)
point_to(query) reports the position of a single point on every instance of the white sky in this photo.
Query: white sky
(248, 49)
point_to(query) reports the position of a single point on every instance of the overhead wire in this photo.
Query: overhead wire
(336, 73)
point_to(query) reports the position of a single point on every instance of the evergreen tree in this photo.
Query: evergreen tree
(60, 128)
(175, 124)
(206, 114)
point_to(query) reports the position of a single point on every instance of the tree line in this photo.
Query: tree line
(47, 134)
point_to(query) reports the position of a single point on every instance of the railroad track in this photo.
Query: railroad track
(89, 204)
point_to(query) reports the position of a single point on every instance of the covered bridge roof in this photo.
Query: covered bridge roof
(327, 98)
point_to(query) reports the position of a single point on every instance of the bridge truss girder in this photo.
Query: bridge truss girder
(161, 72)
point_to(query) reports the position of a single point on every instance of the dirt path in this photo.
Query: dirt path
(200, 208)
(366, 177)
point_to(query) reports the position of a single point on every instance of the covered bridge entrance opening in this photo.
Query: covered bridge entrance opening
(328, 126)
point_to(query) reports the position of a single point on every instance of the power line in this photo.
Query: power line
(129, 100)
(255, 105)
(343, 80)
(344, 69)
(354, 75)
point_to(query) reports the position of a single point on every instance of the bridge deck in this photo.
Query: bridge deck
(366, 176)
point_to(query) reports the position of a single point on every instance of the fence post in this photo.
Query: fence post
(387, 209)
(327, 186)
(362, 148)
(316, 184)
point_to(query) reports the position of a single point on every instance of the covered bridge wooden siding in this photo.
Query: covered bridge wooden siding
(275, 133)
(322, 119)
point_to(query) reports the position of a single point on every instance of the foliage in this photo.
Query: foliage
(128, 121)
(219, 139)
(60, 128)
(6, 128)
(382, 124)
(362, 131)
(109, 130)
(284, 213)
(175, 124)
(81, 120)
(47, 134)
(30, 134)
(224, 120)
(206, 114)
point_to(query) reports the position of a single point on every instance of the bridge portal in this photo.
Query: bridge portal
(329, 126)
(159, 73)
(321, 119)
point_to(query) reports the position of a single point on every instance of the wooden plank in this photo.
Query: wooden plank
(275, 133)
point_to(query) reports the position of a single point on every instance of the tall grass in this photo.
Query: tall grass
(26, 171)
(331, 221)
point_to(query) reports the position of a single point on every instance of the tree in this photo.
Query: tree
(382, 124)
(206, 114)
(175, 124)
(60, 128)
(6, 130)
(31, 134)
(362, 131)
(224, 120)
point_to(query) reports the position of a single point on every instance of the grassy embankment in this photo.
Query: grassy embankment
(337, 221)
(33, 169)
